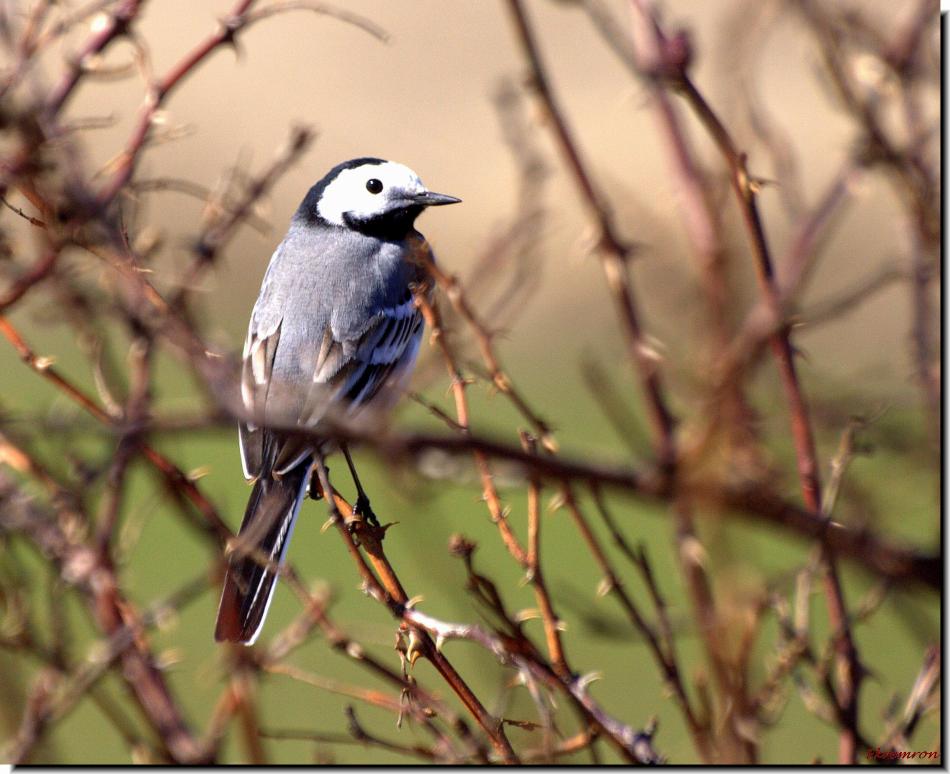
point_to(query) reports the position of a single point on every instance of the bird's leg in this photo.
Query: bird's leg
(320, 479)
(314, 489)
(362, 506)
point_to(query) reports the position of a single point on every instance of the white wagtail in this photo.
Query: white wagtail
(335, 325)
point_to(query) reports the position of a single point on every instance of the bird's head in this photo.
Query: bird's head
(371, 196)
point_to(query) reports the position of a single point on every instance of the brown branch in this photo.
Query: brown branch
(79, 681)
(636, 746)
(923, 698)
(499, 378)
(672, 66)
(421, 703)
(552, 631)
(159, 91)
(916, 187)
(389, 590)
(613, 250)
(496, 509)
(212, 524)
(238, 19)
(114, 614)
(219, 230)
(359, 735)
(611, 584)
(846, 301)
(662, 645)
(116, 26)
(35, 274)
(369, 696)
(772, 314)
(926, 362)
(614, 259)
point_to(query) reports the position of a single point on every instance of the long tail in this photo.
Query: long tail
(265, 534)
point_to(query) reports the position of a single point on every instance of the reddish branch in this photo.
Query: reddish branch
(114, 613)
(498, 513)
(116, 26)
(916, 186)
(228, 28)
(387, 589)
(36, 273)
(211, 523)
(615, 255)
(671, 69)
(613, 250)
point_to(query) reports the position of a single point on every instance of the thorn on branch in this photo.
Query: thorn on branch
(461, 546)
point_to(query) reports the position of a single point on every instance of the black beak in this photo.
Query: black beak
(430, 199)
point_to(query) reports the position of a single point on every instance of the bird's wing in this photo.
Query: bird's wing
(257, 369)
(374, 356)
(349, 372)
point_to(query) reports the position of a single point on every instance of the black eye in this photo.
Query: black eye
(374, 186)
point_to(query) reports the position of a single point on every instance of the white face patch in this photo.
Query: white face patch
(348, 193)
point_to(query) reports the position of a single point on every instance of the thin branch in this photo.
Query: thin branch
(212, 524)
(113, 614)
(671, 65)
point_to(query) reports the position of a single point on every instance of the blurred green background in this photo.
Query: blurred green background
(425, 99)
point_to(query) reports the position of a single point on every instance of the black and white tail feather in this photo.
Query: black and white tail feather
(265, 534)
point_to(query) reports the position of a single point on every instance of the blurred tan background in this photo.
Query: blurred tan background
(425, 99)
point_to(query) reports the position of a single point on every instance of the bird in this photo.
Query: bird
(335, 331)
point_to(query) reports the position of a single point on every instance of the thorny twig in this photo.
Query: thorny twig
(615, 255)
(671, 66)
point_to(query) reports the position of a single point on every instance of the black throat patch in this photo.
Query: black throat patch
(393, 225)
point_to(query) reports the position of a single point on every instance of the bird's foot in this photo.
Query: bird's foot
(315, 489)
(363, 509)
